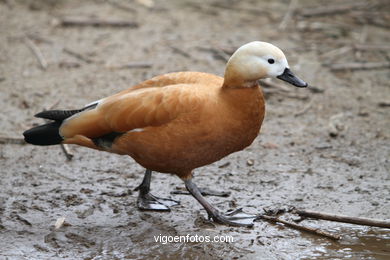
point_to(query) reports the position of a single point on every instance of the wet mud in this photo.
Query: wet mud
(325, 148)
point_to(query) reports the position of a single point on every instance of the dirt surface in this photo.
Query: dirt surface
(324, 149)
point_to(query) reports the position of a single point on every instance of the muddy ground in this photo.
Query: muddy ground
(324, 149)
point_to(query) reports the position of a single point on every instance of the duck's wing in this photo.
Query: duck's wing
(140, 108)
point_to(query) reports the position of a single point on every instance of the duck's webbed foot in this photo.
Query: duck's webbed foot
(234, 218)
(147, 201)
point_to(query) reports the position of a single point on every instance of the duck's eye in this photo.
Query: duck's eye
(271, 61)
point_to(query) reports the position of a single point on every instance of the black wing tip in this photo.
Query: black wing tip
(47, 134)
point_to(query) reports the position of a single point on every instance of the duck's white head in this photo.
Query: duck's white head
(258, 60)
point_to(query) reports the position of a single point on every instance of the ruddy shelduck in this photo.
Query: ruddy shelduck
(176, 122)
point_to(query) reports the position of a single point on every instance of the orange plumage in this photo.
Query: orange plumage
(187, 119)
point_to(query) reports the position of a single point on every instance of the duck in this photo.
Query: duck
(176, 122)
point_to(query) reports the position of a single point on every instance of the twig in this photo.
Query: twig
(37, 52)
(21, 219)
(54, 104)
(384, 104)
(359, 66)
(146, 3)
(68, 154)
(372, 18)
(11, 140)
(287, 17)
(330, 10)
(132, 65)
(305, 109)
(268, 83)
(122, 6)
(64, 49)
(344, 219)
(217, 53)
(336, 52)
(250, 10)
(272, 87)
(316, 231)
(181, 52)
(82, 21)
(77, 55)
(371, 47)
(362, 40)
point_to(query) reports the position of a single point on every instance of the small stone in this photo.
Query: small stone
(250, 162)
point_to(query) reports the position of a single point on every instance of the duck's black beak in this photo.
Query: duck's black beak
(289, 77)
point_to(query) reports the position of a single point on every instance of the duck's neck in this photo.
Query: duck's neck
(234, 78)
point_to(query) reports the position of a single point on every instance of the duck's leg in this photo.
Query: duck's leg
(235, 218)
(147, 201)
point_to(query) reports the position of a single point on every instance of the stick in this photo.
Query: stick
(181, 52)
(37, 52)
(77, 55)
(362, 39)
(316, 231)
(336, 52)
(64, 49)
(330, 10)
(132, 65)
(359, 66)
(122, 6)
(287, 17)
(270, 84)
(344, 219)
(11, 140)
(306, 108)
(217, 53)
(371, 47)
(82, 21)
(68, 154)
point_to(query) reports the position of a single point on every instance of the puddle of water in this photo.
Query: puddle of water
(357, 243)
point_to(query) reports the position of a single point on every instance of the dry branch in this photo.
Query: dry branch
(11, 140)
(131, 65)
(86, 21)
(37, 52)
(305, 109)
(344, 219)
(270, 84)
(315, 231)
(122, 6)
(330, 10)
(359, 66)
(287, 17)
(68, 154)
(371, 47)
(336, 52)
(77, 55)
(217, 53)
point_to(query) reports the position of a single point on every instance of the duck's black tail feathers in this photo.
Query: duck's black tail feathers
(46, 134)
